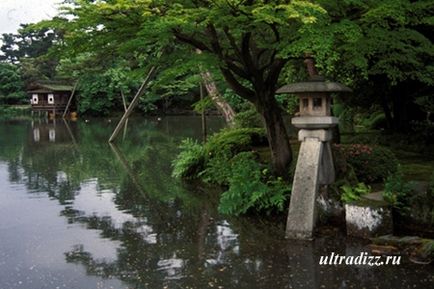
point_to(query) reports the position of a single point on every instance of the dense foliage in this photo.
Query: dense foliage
(189, 162)
(11, 85)
(370, 163)
(251, 187)
(193, 157)
(229, 159)
(397, 190)
(354, 193)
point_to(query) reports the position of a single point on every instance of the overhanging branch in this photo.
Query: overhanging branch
(236, 86)
(190, 40)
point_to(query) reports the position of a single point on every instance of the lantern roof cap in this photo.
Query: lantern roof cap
(314, 85)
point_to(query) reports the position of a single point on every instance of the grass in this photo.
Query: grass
(415, 166)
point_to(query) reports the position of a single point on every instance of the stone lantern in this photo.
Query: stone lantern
(315, 161)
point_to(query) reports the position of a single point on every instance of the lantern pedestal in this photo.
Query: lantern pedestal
(314, 122)
(314, 168)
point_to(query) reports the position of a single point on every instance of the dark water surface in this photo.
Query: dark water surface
(77, 213)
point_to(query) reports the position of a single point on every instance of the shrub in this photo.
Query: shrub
(248, 118)
(350, 193)
(233, 141)
(370, 163)
(7, 112)
(196, 160)
(251, 188)
(190, 160)
(397, 191)
(227, 159)
(375, 120)
(217, 170)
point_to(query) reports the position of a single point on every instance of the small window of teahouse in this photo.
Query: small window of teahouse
(35, 99)
(50, 98)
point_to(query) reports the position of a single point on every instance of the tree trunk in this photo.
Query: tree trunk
(225, 109)
(281, 154)
(386, 110)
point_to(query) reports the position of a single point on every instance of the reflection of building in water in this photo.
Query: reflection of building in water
(36, 134)
(172, 267)
(227, 244)
(52, 131)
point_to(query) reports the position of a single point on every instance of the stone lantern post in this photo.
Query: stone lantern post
(315, 161)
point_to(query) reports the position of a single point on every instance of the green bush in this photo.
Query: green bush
(351, 194)
(196, 160)
(251, 188)
(375, 120)
(7, 112)
(235, 140)
(223, 146)
(228, 159)
(370, 163)
(397, 191)
(248, 118)
(190, 161)
(217, 170)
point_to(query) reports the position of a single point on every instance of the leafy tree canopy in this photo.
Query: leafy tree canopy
(11, 84)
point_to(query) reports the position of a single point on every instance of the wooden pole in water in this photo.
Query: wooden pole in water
(69, 100)
(204, 130)
(68, 128)
(125, 109)
(133, 104)
(124, 100)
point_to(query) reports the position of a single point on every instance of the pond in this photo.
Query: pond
(76, 212)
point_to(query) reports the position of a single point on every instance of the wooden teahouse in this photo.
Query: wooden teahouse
(49, 97)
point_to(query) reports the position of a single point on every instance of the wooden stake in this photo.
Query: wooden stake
(204, 128)
(70, 99)
(124, 100)
(133, 104)
(68, 128)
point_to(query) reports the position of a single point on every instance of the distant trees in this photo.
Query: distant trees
(31, 49)
(11, 84)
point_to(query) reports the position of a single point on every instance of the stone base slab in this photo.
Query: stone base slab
(367, 219)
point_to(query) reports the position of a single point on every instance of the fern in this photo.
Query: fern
(248, 189)
(190, 160)
(351, 194)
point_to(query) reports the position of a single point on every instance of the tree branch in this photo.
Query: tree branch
(275, 31)
(190, 40)
(275, 69)
(215, 44)
(236, 69)
(232, 41)
(236, 86)
(247, 58)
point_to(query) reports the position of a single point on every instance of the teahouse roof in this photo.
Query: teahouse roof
(45, 88)
(314, 86)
